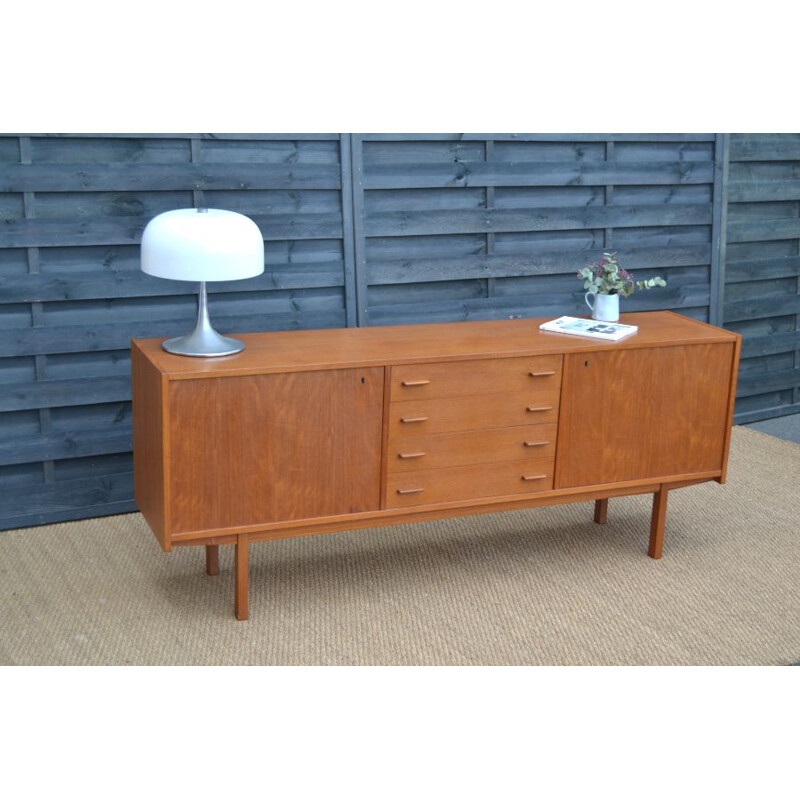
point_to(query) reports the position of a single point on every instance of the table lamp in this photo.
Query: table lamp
(202, 244)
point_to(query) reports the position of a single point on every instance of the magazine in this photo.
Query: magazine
(592, 328)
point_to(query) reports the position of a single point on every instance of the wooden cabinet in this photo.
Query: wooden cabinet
(469, 482)
(264, 448)
(483, 446)
(633, 414)
(471, 378)
(319, 431)
(471, 429)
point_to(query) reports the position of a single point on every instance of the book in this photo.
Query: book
(594, 329)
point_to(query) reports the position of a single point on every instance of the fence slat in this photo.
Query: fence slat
(116, 336)
(44, 232)
(166, 177)
(67, 392)
(257, 137)
(522, 173)
(60, 444)
(753, 347)
(554, 262)
(64, 512)
(523, 306)
(769, 191)
(77, 493)
(771, 306)
(95, 285)
(768, 381)
(762, 269)
(540, 137)
(763, 230)
(765, 148)
(539, 219)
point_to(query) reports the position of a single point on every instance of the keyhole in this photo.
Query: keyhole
(585, 363)
(363, 381)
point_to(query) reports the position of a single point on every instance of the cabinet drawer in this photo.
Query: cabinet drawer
(468, 482)
(461, 378)
(440, 415)
(435, 451)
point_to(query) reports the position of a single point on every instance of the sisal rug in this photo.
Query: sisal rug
(539, 587)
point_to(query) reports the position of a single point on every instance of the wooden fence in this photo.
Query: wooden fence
(762, 266)
(369, 229)
(496, 225)
(72, 294)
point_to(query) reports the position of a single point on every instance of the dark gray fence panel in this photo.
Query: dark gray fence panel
(369, 229)
(72, 295)
(486, 226)
(762, 271)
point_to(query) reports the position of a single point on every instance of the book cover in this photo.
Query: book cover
(592, 328)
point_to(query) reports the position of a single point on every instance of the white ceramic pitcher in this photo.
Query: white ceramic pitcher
(605, 308)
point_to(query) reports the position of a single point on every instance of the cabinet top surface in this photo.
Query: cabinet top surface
(290, 351)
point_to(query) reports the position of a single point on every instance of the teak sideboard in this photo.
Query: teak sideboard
(327, 430)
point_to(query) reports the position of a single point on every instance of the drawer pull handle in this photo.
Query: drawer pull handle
(542, 374)
(410, 455)
(415, 383)
(533, 477)
(540, 408)
(409, 491)
(535, 444)
(413, 419)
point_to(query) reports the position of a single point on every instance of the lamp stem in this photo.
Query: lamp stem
(204, 340)
(203, 320)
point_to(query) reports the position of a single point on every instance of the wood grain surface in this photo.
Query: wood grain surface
(529, 442)
(260, 453)
(274, 447)
(468, 482)
(149, 447)
(289, 351)
(418, 417)
(643, 413)
(484, 376)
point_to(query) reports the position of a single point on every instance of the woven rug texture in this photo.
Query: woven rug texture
(537, 587)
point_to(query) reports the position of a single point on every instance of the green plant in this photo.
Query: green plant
(607, 277)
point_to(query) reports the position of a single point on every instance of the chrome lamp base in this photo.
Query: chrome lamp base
(203, 341)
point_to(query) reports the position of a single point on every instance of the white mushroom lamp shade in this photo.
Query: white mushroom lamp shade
(191, 244)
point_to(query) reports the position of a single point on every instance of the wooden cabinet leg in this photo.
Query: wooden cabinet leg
(657, 523)
(601, 511)
(242, 592)
(212, 559)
